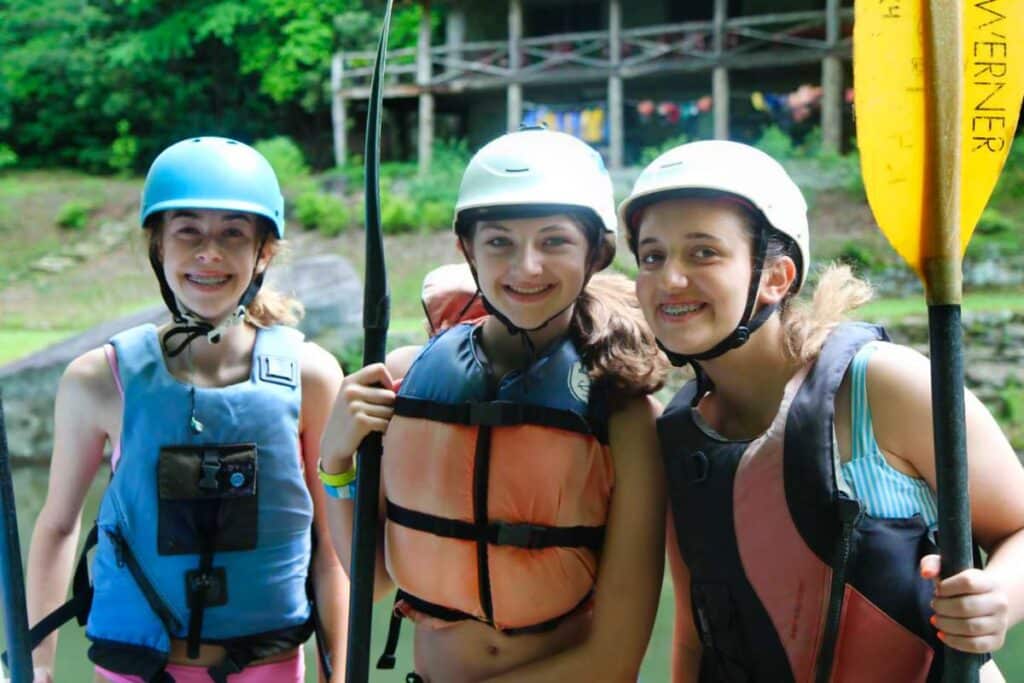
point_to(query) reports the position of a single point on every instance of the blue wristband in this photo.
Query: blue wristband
(344, 492)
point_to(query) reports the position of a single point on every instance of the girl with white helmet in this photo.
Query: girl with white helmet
(205, 564)
(800, 466)
(522, 512)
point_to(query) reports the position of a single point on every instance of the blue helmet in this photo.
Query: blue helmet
(213, 173)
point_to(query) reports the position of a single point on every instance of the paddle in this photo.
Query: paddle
(19, 654)
(376, 313)
(938, 87)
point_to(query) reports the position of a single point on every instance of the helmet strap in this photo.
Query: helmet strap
(193, 326)
(747, 325)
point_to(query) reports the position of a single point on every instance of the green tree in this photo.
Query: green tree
(74, 70)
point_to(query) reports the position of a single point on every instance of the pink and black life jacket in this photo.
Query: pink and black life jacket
(790, 579)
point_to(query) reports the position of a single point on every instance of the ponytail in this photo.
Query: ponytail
(806, 324)
(614, 340)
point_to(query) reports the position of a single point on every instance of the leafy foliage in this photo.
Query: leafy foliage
(285, 157)
(323, 212)
(649, 154)
(104, 85)
(8, 157)
(74, 214)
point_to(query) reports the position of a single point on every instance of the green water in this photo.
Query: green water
(73, 667)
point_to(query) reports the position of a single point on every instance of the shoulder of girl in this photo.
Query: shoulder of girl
(317, 362)
(90, 375)
(896, 372)
(400, 360)
(636, 414)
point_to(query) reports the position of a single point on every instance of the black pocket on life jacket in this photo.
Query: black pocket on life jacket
(207, 494)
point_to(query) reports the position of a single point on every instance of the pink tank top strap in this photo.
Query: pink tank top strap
(111, 354)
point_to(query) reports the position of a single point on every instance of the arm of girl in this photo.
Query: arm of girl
(321, 377)
(632, 562)
(975, 608)
(686, 646)
(362, 405)
(87, 407)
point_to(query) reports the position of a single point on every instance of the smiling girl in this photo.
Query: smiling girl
(800, 465)
(205, 565)
(523, 497)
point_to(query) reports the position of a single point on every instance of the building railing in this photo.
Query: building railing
(759, 40)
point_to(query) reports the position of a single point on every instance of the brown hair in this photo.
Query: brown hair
(269, 307)
(806, 323)
(614, 340)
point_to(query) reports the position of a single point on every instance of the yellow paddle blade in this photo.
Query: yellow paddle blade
(889, 100)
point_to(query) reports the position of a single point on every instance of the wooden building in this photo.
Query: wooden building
(601, 54)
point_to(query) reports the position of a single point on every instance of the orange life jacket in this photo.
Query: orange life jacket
(497, 492)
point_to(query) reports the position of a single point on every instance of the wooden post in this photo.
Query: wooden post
(515, 88)
(720, 75)
(832, 84)
(455, 32)
(339, 113)
(616, 136)
(424, 72)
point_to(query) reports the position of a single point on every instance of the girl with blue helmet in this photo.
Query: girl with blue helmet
(522, 513)
(800, 464)
(210, 543)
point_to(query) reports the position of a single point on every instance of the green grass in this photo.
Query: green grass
(15, 344)
(891, 309)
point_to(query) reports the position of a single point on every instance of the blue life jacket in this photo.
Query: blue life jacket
(789, 579)
(204, 530)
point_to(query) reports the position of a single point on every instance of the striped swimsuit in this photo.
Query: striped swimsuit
(885, 491)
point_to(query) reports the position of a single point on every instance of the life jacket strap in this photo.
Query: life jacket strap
(532, 536)
(78, 605)
(387, 658)
(323, 648)
(204, 587)
(495, 414)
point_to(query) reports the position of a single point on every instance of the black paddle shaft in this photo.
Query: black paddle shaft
(376, 313)
(945, 337)
(19, 657)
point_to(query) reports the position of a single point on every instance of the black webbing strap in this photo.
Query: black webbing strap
(196, 591)
(77, 607)
(531, 536)
(493, 414)
(235, 659)
(323, 649)
(387, 658)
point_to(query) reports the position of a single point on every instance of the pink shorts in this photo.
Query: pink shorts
(286, 671)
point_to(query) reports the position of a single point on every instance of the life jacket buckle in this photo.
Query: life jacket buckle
(529, 536)
(210, 468)
(206, 588)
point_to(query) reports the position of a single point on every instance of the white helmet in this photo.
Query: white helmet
(535, 167)
(730, 167)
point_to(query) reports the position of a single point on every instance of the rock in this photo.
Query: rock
(993, 375)
(332, 294)
(53, 264)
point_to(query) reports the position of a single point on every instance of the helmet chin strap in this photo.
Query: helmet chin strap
(523, 332)
(193, 326)
(738, 337)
